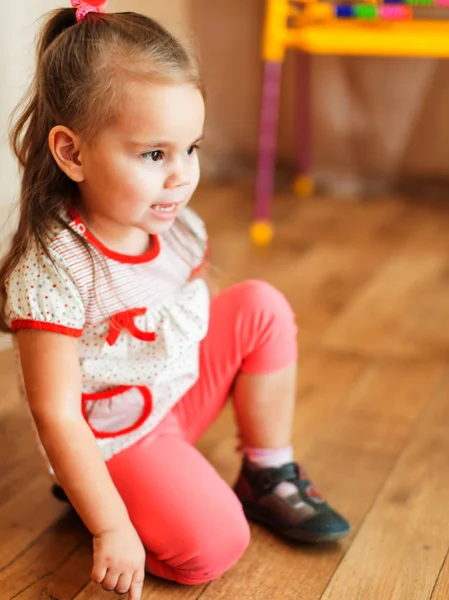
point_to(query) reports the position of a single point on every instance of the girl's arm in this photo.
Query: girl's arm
(52, 377)
(53, 384)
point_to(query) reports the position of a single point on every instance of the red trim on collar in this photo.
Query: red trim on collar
(123, 258)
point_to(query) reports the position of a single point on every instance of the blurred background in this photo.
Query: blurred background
(375, 120)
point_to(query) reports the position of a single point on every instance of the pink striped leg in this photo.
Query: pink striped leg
(261, 231)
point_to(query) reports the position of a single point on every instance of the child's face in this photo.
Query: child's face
(143, 169)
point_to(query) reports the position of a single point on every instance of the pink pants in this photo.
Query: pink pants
(189, 520)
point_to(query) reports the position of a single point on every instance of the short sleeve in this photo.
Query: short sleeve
(42, 294)
(194, 228)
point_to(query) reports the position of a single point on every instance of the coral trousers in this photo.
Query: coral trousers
(189, 520)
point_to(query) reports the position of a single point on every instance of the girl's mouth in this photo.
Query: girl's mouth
(165, 211)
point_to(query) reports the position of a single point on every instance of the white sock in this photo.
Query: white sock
(273, 457)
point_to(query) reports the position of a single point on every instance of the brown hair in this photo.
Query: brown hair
(82, 71)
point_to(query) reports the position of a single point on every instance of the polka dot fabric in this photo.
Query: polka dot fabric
(42, 294)
(157, 313)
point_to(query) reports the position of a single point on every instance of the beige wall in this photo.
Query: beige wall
(174, 14)
(228, 35)
(18, 27)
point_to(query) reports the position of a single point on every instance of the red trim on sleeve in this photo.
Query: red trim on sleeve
(107, 394)
(81, 228)
(43, 326)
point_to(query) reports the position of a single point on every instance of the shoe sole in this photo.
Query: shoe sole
(291, 533)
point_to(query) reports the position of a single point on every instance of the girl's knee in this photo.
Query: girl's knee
(210, 554)
(267, 326)
(266, 311)
(216, 556)
(261, 297)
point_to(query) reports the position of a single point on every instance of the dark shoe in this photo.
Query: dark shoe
(303, 516)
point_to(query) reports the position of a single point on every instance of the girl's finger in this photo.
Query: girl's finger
(124, 583)
(110, 581)
(98, 573)
(135, 591)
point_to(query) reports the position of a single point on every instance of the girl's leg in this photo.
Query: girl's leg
(250, 351)
(189, 520)
(264, 407)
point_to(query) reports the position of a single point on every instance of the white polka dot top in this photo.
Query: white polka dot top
(139, 320)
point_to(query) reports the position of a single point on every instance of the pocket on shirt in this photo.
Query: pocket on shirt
(117, 411)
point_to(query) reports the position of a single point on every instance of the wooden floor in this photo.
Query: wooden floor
(369, 282)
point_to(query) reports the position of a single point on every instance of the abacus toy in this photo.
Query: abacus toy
(407, 28)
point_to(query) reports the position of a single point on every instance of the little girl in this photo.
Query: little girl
(126, 357)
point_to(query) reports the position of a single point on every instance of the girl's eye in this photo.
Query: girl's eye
(192, 149)
(154, 155)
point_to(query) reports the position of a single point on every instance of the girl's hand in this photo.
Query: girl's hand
(119, 561)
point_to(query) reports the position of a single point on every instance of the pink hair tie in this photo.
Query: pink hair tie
(92, 6)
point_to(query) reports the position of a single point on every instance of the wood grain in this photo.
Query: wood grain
(41, 563)
(378, 320)
(403, 542)
(441, 590)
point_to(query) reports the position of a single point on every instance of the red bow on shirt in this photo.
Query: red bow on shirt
(125, 320)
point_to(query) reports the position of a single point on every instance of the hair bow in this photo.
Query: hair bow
(84, 8)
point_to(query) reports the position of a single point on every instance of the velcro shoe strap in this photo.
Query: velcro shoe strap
(267, 479)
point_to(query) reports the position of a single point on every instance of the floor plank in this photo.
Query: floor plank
(27, 515)
(441, 589)
(9, 397)
(26, 577)
(350, 462)
(404, 540)
(395, 298)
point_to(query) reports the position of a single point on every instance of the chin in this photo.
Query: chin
(159, 227)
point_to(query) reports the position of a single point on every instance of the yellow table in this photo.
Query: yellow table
(312, 28)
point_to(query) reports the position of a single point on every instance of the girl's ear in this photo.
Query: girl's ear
(65, 146)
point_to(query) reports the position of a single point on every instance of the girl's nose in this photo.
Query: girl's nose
(178, 177)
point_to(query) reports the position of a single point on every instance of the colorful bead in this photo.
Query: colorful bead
(365, 11)
(396, 13)
(344, 11)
